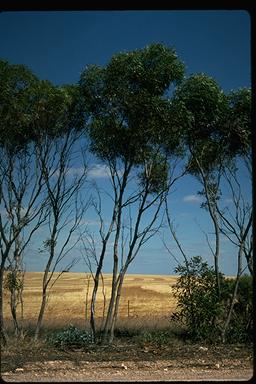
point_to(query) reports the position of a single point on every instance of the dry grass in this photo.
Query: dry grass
(148, 297)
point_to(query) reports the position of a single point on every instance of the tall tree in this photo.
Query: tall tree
(129, 127)
(20, 184)
(66, 206)
(218, 137)
(39, 132)
(205, 109)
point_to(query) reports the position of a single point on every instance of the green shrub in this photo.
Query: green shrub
(204, 311)
(241, 327)
(127, 332)
(157, 337)
(70, 337)
(198, 302)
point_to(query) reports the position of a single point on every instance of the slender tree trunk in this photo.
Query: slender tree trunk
(95, 290)
(3, 333)
(114, 281)
(117, 302)
(211, 203)
(104, 302)
(44, 296)
(41, 313)
(217, 250)
(115, 278)
(21, 309)
(111, 306)
(14, 309)
(86, 298)
(233, 300)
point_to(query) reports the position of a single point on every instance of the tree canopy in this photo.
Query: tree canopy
(130, 113)
(31, 108)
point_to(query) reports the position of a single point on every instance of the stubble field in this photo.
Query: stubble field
(146, 299)
(150, 301)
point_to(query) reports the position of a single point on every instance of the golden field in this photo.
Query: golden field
(143, 297)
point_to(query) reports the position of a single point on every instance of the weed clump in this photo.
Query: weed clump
(70, 337)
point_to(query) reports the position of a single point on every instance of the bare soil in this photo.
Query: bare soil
(127, 361)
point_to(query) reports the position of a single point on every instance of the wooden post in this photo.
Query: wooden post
(128, 308)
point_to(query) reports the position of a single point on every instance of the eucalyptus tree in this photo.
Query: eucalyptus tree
(205, 109)
(39, 144)
(218, 137)
(237, 220)
(130, 127)
(237, 217)
(21, 185)
(67, 203)
(61, 150)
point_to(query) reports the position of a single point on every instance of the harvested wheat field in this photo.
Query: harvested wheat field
(143, 297)
(147, 302)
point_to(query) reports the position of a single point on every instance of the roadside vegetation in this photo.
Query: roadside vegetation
(148, 126)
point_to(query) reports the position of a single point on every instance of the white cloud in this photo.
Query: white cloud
(71, 172)
(75, 171)
(191, 199)
(91, 222)
(98, 170)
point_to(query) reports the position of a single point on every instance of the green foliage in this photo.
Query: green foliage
(30, 108)
(157, 337)
(241, 325)
(206, 104)
(127, 332)
(216, 127)
(198, 302)
(205, 110)
(129, 114)
(239, 133)
(154, 175)
(15, 103)
(204, 312)
(13, 281)
(70, 337)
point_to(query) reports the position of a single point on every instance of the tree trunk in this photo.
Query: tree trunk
(217, 251)
(109, 319)
(3, 334)
(14, 310)
(233, 300)
(44, 298)
(95, 289)
(116, 308)
(86, 298)
(41, 314)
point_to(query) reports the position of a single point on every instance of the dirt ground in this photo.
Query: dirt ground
(127, 361)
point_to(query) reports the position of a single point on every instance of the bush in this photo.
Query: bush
(241, 327)
(198, 301)
(204, 311)
(70, 337)
(157, 337)
(127, 332)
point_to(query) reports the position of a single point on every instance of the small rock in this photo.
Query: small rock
(19, 370)
(165, 369)
(217, 365)
(203, 348)
(123, 366)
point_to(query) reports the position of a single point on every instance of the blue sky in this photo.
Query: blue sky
(58, 45)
